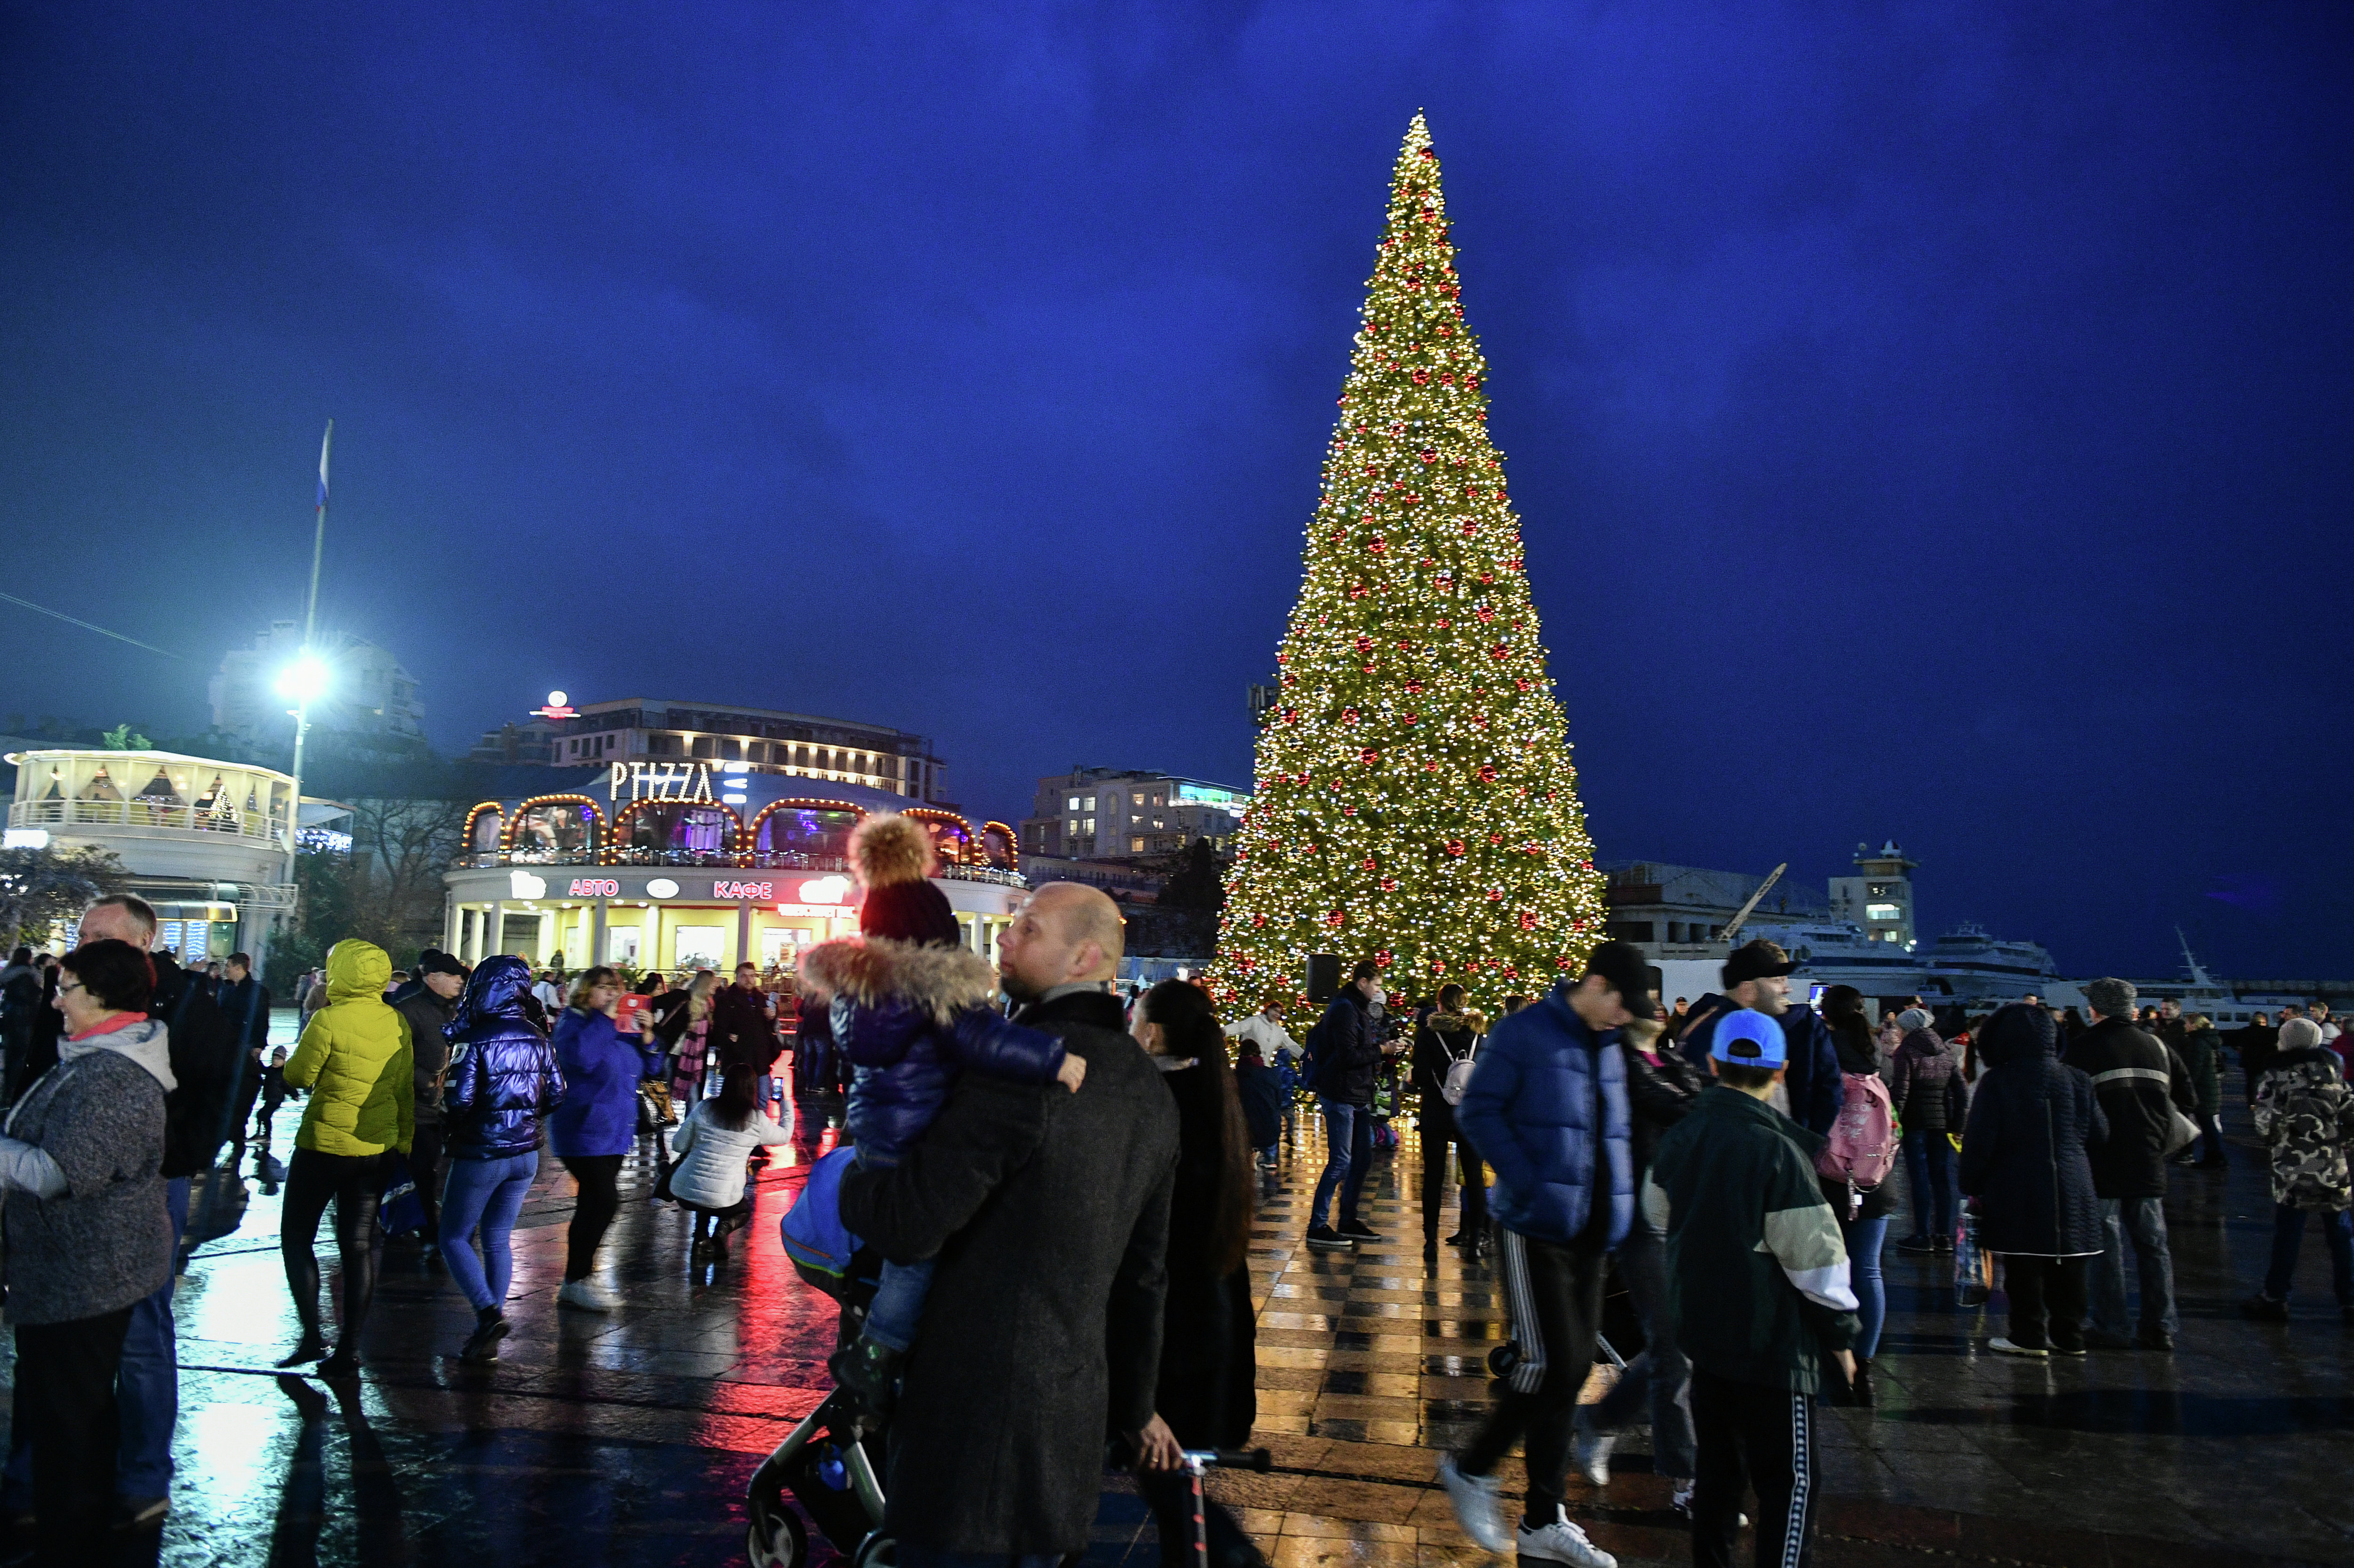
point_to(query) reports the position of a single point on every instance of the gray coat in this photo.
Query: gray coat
(1049, 1214)
(106, 1241)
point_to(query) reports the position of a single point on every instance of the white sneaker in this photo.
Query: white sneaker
(1476, 1507)
(586, 1295)
(1593, 1450)
(1682, 1503)
(2001, 1346)
(1562, 1542)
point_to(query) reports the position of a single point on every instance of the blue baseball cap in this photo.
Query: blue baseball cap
(1748, 1038)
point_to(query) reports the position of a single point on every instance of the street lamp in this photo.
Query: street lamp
(302, 682)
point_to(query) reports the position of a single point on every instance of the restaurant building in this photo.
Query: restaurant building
(686, 863)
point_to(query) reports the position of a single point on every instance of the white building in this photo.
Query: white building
(1879, 902)
(204, 842)
(369, 694)
(1107, 814)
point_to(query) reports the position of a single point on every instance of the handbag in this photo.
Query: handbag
(2181, 1130)
(400, 1207)
(1973, 1264)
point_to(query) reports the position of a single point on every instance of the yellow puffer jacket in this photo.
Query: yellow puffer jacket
(356, 1059)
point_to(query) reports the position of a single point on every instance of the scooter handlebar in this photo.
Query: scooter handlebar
(1258, 1459)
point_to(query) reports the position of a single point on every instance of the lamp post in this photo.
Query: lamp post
(306, 678)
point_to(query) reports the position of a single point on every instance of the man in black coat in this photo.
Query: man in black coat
(1347, 1045)
(1048, 1212)
(204, 1059)
(244, 1004)
(2135, 1078)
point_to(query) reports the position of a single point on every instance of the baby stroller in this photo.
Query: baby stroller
(833, 1461)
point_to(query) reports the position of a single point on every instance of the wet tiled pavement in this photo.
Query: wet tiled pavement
(629, 1439)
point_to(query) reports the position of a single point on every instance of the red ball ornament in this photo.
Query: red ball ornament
(1338, 918)
(1470, 527)
(1414, 688)
(1455, 846)
(1501, 650)
(1369, 757)
(1389, 884)
(1383, 959)
(1365, 644)
(1488, 774)
(1348, 715)
(1528, 920)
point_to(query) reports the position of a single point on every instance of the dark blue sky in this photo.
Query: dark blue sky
(1929, 423)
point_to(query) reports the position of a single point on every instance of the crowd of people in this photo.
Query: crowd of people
(1095, 1160)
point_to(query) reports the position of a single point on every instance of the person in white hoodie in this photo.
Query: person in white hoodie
(714, 1144)
(88, 1236)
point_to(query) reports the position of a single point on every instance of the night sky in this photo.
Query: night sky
(1929, 425)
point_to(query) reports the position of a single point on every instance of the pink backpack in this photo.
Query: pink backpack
(1863, 1147)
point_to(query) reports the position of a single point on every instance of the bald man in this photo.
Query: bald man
(1048, 1212)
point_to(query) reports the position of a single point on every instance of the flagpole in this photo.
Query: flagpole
(310, 624)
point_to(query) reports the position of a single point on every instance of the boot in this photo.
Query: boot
(1862, 1386)
(869, 1372)
(483, 1345)
(309, 1347)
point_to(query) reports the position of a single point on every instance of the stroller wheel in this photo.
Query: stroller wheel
(877, 1551)
(1503, 1359)
(776, 1537)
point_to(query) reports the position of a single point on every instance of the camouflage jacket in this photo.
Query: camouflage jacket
(2305, 1114)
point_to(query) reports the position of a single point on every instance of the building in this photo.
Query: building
(1879, 902)
(202, 840)
(1661, 907)
(1104, 813)
(692, 862)
(764, 740)
(369, 694)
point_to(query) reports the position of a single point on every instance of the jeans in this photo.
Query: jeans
(1929, 1168)
(488, 1193)
(2289, 1236)
(2047, 1301)
(1553, 1292)
(66, 1403)
(600, 1176)
(1659, 1378)
(899, 1305)
(1751, 1435)
(1865, 1239)
(1348, 1159)
(355, 1183)
(149, 1385)
(2144, 1219)
(1438, 1130)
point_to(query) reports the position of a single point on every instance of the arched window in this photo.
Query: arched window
(812, 836)
(484, 826)
(952, 836)
(554, 830)
(671, 832)
(997, 847)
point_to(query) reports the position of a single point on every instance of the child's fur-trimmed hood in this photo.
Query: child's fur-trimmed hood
(944, 980)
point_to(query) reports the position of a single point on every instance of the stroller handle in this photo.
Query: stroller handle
(1257, 1459)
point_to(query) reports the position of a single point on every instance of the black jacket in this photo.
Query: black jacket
(429, 1016)
(1048, 1212)
(2026, 1154)
(1347, 1045)
(1209, 1364)
(1261, 1089)
(2136, 1077)
(207, 1057)
(740, 1030)
(1927, 1094)
(1440, 1040)
(1658, 1097)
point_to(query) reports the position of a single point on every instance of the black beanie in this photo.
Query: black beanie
(909, 912)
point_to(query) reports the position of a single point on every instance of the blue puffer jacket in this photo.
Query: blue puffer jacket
(503, 1077)
(601, 1069)
(909, 1018)
(1547, 1108)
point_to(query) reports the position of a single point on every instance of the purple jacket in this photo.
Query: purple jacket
(909, 1018)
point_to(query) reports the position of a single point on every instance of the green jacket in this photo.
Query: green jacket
(356, 1059)
(1757, 1278)
(2202, 1052)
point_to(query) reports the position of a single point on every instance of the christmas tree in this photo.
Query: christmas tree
(1415, 801)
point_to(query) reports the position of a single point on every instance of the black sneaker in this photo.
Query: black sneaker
(1944, 1244)
(1324, 1238)
(1917, 1247)
(2157, 1340)
(481, 1346)
(1357, 1230)
(2265, 1309)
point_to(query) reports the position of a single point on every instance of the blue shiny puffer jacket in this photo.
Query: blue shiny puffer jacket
(909, 1018)
(504, 1075)
(1547, 1108)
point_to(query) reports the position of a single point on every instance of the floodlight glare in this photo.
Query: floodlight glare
(305, 680)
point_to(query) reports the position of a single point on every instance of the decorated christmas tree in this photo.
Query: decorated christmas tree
(1415, 801)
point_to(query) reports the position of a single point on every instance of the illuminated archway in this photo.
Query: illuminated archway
(810, 833)
(485, 831)
(652, 832)
(951, 834)
(1000, 847)
(552, 829)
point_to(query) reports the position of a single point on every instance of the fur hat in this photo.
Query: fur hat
(888, 849)
(2110, 998)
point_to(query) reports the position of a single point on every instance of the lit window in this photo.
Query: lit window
(1073, 828)
(1091, 824)
(1137, 799)
(1883, 912)
(1136, 846)
(1091, 806)
(1074, 805)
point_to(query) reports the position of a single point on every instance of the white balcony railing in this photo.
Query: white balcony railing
(147, 815)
